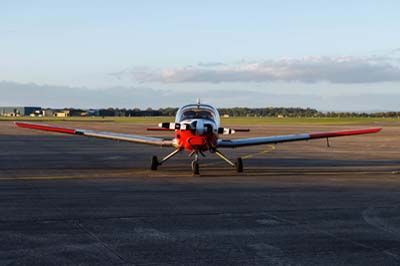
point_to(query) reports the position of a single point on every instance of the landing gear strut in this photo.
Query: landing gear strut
(238, 165)
(155, 163)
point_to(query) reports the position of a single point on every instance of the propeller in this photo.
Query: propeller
(197, 126)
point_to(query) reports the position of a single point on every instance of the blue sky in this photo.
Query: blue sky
(223, 51)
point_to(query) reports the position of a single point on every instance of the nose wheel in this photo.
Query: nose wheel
(238, 165)
(195, 168)
(195, 165)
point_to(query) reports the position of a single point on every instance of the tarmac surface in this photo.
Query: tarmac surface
(70, 200)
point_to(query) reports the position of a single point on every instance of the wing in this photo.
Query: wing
(98, 134)
(233, 143)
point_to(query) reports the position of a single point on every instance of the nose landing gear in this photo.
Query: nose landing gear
(195, 168)
(195, 165)
(238, 165)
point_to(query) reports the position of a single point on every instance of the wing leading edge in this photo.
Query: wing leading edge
(234, 143)
(98, 134)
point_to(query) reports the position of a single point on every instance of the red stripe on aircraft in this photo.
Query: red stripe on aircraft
(345, 133)
(46, 127)
(159, 129)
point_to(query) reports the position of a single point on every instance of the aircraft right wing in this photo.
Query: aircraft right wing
(233, 143)
(98, 134)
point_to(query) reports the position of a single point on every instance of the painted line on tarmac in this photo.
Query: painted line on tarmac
(60, 177)
(131, 174)
(28, 178)
(289, 173)
(148, 174)
(270, 148)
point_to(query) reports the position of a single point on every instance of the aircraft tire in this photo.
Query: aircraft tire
(239, 165)
(195, 168)
(154, 163)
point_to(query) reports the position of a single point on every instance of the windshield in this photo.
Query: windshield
(190, 114)
(195, 111)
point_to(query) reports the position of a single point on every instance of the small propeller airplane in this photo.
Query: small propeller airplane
(197, 130)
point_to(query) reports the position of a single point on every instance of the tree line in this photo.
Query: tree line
(247, 112)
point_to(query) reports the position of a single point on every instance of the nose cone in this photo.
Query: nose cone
(193, 125)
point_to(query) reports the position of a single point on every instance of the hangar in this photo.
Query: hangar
(18, 111)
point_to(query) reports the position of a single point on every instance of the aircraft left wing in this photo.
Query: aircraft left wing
(233, 143)
(98, 134)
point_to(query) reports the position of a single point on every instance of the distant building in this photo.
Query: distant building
(38, 113)
(19, 111)
(77, 112)
(49, 112)
(93, 112)
(63, 113)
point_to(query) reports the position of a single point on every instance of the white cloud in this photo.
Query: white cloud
(341, 69)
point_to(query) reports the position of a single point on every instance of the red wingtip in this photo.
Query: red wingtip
(346, 133)
(45, 127)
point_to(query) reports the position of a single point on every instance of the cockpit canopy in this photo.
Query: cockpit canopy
(197, 111)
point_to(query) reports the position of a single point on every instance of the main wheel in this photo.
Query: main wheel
(154, 163)
(239, 165)
(195, 168)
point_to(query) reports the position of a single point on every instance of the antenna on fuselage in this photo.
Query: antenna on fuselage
(198, 102)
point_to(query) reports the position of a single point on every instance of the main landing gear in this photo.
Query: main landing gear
(238, 165)
(155, 163)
